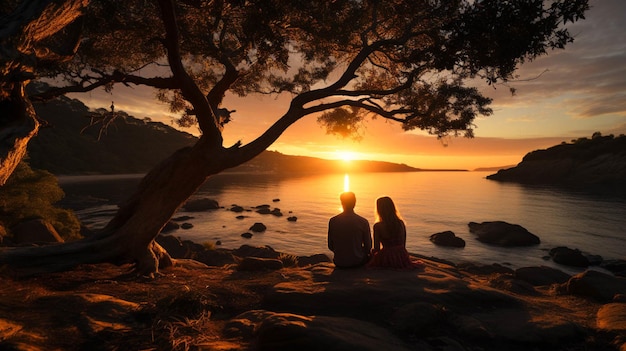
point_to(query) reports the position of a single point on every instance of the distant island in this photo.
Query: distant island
(74, 142)
(596, 164)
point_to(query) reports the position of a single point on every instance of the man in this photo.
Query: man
(349, 235)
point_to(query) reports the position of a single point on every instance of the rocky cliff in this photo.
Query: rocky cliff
(598, 163)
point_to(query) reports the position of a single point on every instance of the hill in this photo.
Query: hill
(598, 163)
(69, 144)
(74, 142)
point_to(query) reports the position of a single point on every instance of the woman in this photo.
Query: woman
(390, 231)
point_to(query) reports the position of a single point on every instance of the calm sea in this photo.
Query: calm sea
(430, 202)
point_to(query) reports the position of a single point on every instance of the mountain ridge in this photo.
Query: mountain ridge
(77, 141)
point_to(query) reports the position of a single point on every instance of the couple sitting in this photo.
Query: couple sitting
(349, 237)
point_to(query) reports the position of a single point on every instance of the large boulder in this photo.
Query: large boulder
(35, 231)
(447, 238)
(287, 331)
(503, 234)
(597, 285)
(569, 257)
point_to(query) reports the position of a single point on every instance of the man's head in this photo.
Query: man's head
(348, 200)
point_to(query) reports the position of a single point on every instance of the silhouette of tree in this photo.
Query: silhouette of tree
(406, 61)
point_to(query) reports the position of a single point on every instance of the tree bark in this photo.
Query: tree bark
(18, 124)
(22, 34)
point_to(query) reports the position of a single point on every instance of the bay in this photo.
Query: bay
(430, 202)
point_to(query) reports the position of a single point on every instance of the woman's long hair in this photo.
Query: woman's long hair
(388, 215)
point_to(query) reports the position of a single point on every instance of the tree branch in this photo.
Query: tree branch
(207, 118)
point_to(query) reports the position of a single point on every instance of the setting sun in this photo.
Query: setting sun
(346, 156)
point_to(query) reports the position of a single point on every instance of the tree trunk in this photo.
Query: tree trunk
(22, 33)
(129, 236)
(18, 124)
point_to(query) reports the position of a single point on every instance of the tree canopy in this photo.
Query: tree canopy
(407, 61)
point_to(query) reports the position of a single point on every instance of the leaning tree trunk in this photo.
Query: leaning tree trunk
(23, 35)
(18, 124)
(129, 236)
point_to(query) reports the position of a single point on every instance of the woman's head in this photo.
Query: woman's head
(386, 210)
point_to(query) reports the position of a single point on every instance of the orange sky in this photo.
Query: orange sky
(569, 94)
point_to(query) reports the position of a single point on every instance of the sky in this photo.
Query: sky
(565, 95)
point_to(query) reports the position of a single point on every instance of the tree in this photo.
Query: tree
(404, 60)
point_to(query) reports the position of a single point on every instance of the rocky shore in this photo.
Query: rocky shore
(254, 298)
(596, 165)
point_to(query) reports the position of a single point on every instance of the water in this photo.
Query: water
(430, 202)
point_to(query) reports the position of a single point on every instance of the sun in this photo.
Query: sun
(346, 156)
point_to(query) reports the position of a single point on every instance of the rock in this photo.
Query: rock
(471, 327)
(569, 257)
(594, 260)
(97, 313)
(617, 267)
(304, 261)
(612, 317)
(217, 257)
(503, 234)
(417, 318)
(256, 251)
(541, 275)
(258, 227)
(240, 217)
(508, 283)
(480, 269)
(287, 331)
(170, 227)
(292, 218)
(447, 238)
(597, 285)
(236, 208)
(246, 235)
(182, 218)
(186, 225)
(264, 210)
(173, 246)
(199, 205)
(259, 264)
(275, 200)
(35, 231)
(276, 212)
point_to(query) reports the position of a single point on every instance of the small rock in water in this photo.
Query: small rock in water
(276, 200)
(258, 227)
(292, 218)
(247, 235)
(186, 225)
(236, 208)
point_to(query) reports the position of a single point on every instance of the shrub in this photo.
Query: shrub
(31, 193)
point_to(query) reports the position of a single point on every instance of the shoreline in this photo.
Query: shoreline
(246, 300)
